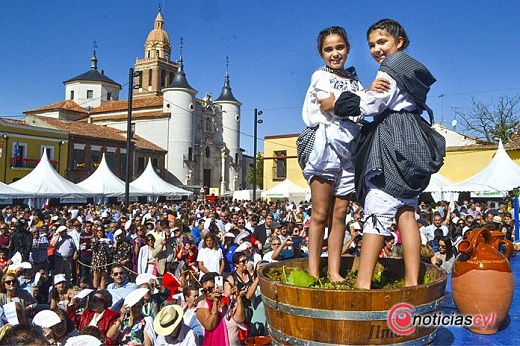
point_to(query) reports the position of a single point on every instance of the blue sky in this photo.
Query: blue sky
(471, 49)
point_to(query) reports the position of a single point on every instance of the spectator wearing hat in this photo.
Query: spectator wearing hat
(65, 252)
(171, 329)
(59, 292)
(40, 245)
(252, 255)
(27, 279)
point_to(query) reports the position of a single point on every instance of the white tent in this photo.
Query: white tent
(154, 186)
(246, 195)
(502, 174)
(105, 183)
(437, 188)
(7, 194)
(44, 182)
(286, 190)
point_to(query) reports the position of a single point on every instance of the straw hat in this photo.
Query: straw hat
(168, 319)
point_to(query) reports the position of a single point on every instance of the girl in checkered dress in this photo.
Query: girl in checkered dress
(398, 151)
(329, 170)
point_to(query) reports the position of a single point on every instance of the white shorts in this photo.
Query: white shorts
(324, 162)
(380, 210)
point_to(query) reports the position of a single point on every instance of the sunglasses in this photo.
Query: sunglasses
(10, 282)
(97, 299)
(117, 273)
(150, 240)
(242, 261)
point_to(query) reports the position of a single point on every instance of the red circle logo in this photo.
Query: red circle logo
(400, 319)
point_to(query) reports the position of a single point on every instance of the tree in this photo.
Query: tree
(259, 172)
(492, 121)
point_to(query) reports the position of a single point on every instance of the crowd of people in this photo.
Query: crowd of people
(181, 273)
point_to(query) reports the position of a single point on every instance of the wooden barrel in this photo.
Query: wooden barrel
(314, 316)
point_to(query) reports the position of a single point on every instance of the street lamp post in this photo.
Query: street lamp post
(257, 113)
(129, 133)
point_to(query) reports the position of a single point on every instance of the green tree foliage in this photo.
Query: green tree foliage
(492, 121)
(259, 172)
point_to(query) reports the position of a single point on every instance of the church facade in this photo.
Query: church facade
(200, 135)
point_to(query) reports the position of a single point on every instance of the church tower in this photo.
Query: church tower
(179, 101)
(157, 70)
(230, 110)
(92, 88)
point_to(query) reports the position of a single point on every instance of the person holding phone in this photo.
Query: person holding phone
(245, 282)
(219, 315)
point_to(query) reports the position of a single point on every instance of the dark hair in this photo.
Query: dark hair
(107, 297)
(187, 290)
(389, 238)
(392, 28)
(449, 247)
(333, 30)
(236, 257)
(118, 265)
(24, 334)
(92, 331)
(208, 277)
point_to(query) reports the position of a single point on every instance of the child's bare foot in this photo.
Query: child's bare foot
(335, 277)
(363, 285)
(410, 284)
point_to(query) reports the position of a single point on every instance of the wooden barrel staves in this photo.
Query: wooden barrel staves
(314, 316)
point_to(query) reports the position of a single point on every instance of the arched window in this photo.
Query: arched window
(150, 73)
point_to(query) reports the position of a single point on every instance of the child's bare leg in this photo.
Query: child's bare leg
(336, 236)
(370, 249)
(411, 239)
(321, 192)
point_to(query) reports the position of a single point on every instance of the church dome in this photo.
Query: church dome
(158, 34)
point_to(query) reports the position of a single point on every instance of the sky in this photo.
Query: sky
(470, 47)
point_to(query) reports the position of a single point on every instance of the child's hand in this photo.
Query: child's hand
(327, 104)
(380, 85)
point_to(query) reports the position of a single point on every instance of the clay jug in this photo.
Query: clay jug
(482, 282)
(503, 245)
